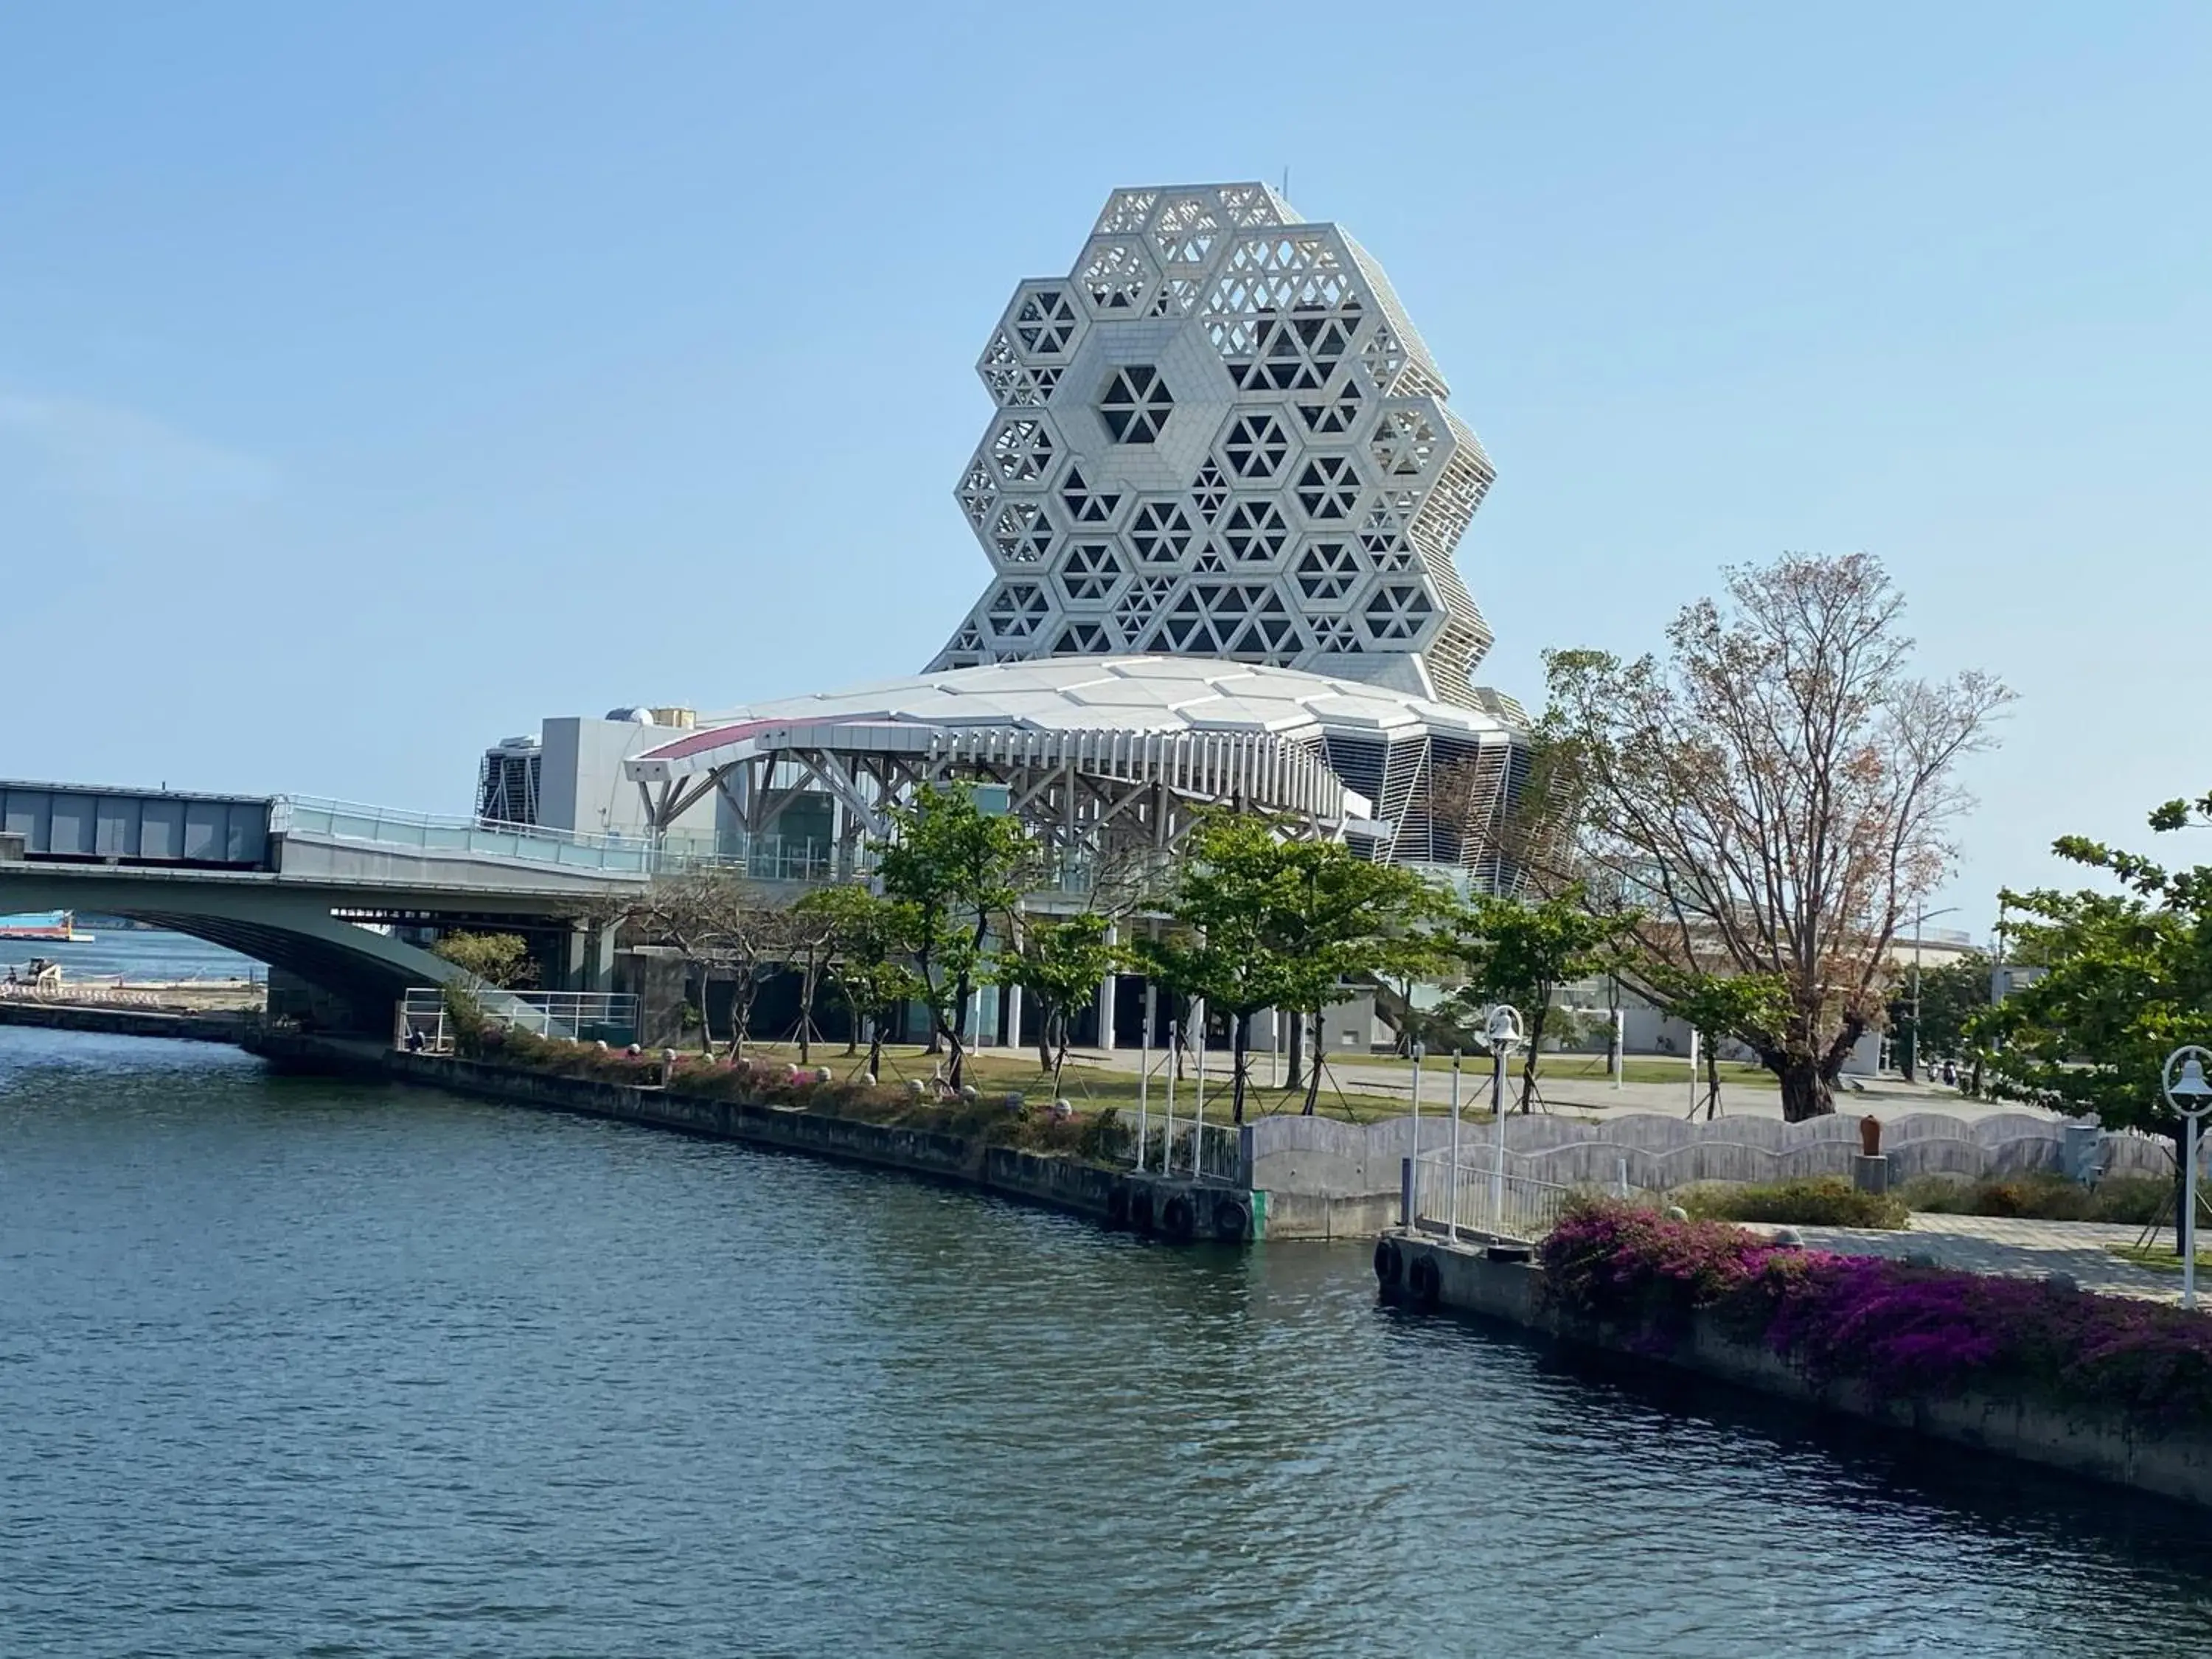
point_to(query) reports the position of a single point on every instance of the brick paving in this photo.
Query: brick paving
(1996, 1244)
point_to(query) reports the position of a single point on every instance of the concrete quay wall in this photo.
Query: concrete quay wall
(1466, 1279)
(125, 1022)
(1176, 1211)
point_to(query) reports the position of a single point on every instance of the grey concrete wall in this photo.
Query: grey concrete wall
(581, 785)
(126, 1022)
(2102, 1447)
(1063, 1183)
(1323, 1155)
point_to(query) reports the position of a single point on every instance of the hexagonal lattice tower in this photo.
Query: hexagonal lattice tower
(1219, 436)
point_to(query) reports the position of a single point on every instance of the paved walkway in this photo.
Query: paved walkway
(1883, 1097)
(1996, 1244)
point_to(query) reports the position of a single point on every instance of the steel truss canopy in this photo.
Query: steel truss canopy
(1092, 751)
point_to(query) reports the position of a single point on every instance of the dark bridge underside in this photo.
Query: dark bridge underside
(307, 933)
(365, 986)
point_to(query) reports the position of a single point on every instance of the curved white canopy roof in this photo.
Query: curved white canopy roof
(1147, 694)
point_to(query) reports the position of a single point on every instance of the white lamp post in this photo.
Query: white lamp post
(1451, 1221)
(1413, 1206)
(2188, 1094)
(1503, 1030)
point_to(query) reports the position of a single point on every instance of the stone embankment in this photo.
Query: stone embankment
(1501, 1282)
(196, 1026)
(1178, 1211)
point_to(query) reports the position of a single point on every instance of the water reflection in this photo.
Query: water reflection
(290, 1363)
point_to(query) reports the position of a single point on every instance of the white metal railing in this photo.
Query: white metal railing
(104, 993)
(578, 1015)
(1203, 1151)
(764, 858)
(1472, 1195)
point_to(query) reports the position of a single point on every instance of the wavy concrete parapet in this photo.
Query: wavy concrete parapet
(1657, 1151)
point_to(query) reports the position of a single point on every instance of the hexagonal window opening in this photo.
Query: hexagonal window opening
(1045, 322)
(1088, 572)
(1135, 405)
(1161, 533)
(1256, 445)
(1397, 611)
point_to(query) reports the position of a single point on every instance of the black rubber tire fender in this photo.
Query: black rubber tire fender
(1232, 1222)
(1178, 1217)
(1423, 1279)
(1117, 1207)
(1389, 1262)
(1141, 1209)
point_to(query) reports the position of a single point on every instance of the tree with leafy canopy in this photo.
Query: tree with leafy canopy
(500, 960)
(2126, 979)
(1522, 952)
(1345, 920)
(1951, 995)
(960, 869)
(1775, 797)
(1059, 961)
(1266, 921)
(1717, 1006)
(873, 942)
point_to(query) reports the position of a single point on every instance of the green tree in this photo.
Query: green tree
(1522, 953)
(500, 960)
(1060, 963)
(1775, 796)
(960, 869)
(872, 944)
(1749, 1007)
(1266, 922)
(2126, 979)
(1950, 996)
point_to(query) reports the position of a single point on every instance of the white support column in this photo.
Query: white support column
(1107, 986)
(1013, 1016)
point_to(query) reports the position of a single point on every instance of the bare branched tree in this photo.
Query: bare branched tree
(803, 937)
(1773, 798)
(724, 927)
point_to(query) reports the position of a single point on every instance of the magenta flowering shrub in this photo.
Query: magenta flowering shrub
(1904, 1331)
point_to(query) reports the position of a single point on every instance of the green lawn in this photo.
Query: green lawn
(2160, 1258)
(1576, 1068)
(1093, 1087)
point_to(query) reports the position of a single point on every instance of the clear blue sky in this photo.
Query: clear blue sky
(375, 380)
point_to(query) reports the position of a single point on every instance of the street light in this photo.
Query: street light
(1920, 915)
(2188, 1094)
(1414, 1185)
(1503, 1031)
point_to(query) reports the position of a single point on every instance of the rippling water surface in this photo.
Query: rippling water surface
(291, 1367)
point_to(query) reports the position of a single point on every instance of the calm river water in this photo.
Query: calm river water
(289, 1367)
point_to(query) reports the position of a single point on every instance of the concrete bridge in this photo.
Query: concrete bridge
(324, 892)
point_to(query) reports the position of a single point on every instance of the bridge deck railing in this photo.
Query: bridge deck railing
(784, 859)
(386, 826)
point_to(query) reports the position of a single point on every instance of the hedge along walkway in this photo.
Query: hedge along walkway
(2000, 1244)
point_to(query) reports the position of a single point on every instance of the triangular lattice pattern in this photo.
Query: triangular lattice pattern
(1220, 436)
